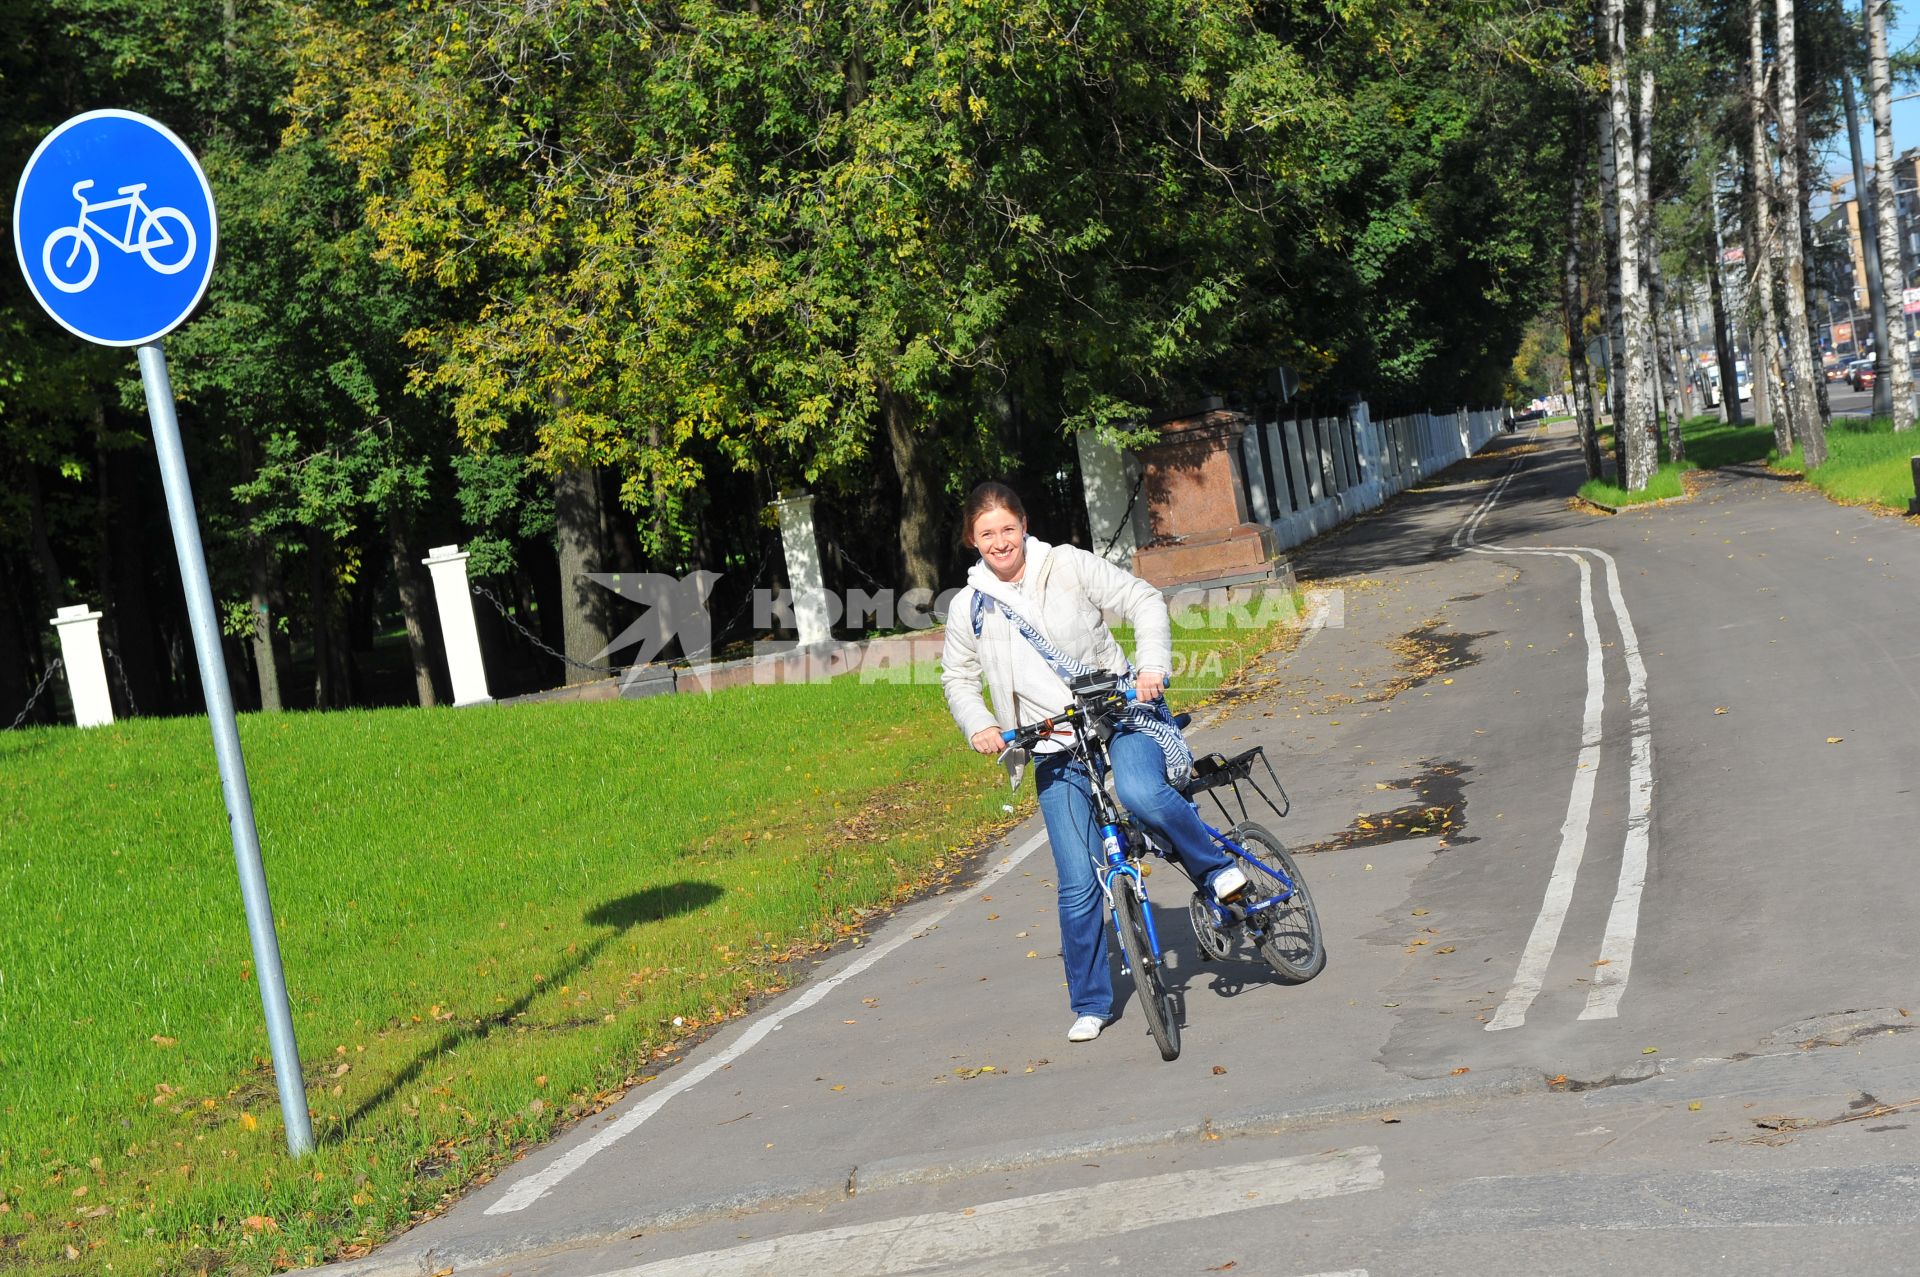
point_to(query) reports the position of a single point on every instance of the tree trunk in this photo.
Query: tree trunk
(409, 581)
(268, 645)
(333, 681)
(577, 517)
(1722, 334)
(1572, 300)
(1637, 401)
(1616, 324)
(1803, 156)
(919, 520)
(1800, 399)
(1759, 233)
(1659, 373)
(1879, 91)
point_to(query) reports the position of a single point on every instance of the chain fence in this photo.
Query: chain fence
(120, 673)
(45, 679)
(536, 640)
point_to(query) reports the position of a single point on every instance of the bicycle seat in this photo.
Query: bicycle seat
(135, 189)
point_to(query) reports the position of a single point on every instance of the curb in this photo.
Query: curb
(842, 1181)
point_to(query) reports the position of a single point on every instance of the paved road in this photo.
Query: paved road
(1611, 823)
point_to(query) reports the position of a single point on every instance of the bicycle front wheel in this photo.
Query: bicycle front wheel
(1290, 937)
(1155, 1002)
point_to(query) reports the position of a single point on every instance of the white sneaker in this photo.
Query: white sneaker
(1086, 1028)
(1228, 881)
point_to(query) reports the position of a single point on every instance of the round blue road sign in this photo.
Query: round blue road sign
(114, 228)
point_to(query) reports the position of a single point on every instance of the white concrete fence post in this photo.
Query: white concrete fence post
(810, 614)
(1107, 476)
(466, 670)
(79, 630)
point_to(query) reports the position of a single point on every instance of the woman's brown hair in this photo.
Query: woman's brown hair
(991, 495)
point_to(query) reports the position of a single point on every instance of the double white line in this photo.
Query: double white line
(1623, 923)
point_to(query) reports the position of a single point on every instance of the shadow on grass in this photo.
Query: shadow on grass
(622, 914)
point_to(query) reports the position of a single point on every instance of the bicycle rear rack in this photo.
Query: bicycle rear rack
(1212, 772)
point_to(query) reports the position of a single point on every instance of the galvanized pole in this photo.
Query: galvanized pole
(226, 748)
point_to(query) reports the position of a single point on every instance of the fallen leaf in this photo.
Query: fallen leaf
(1835, 740)
(849, 1021)
(260, 1224)
(839, 1087)
(1601, 962)
(1462, 1069)
(1561, 1080)
(1694, 1107)
(1649, 1050)
(1445, 948)
(1221, 1268)
(1033, 953)
(1389, 1118)
(1719, 709)
(161, 1039)
(1419, 913)
(1213, 1135)
(248, 1122)
(1218, 1069)
(1446, 682)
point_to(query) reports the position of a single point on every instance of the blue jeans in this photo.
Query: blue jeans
(1073, 830)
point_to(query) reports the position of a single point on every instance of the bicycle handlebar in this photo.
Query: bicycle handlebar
(1085, 709)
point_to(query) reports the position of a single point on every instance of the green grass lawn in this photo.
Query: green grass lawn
(490, 919)
(1664, 485)
(1868, 463)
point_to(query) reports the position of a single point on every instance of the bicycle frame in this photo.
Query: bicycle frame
(130, 197)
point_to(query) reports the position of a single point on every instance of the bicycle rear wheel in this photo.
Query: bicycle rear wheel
(1155, 1002)
(1290, 930)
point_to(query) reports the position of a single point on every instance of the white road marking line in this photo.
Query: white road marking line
(525, 1192)
(915, 1243)
(1623, 921)
(1530, 976)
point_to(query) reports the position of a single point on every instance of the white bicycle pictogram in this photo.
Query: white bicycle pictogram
(152, 235)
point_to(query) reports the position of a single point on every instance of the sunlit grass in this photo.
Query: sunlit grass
(490, 919)
(1868, 463)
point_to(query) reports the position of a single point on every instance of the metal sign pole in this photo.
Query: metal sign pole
(226, 748)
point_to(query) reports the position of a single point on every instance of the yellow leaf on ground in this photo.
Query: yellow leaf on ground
(249, 1122)
(1835, 740)
(260, 1224)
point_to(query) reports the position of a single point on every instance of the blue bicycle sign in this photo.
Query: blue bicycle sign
(167, 251)
(125, 270)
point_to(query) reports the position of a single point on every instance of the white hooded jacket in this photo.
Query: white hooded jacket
(1065, 593)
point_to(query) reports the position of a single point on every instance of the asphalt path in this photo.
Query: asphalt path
(1610, 822)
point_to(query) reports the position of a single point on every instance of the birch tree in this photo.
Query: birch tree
(1636, 427)
(1893, 286)
(1573, 295)
(1758, 172)
(1801, 404)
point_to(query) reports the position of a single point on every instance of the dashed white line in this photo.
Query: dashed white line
(955, 1241)
(525, 1192)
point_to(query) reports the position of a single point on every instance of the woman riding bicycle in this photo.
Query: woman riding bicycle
(1030, 616)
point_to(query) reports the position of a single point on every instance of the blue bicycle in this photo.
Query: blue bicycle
(1274, 912)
